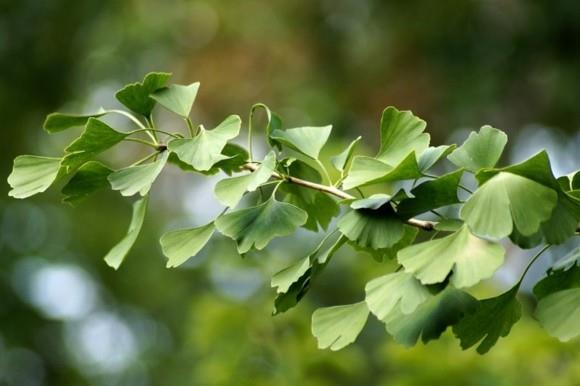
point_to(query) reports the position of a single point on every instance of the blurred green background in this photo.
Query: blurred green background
(68, 319)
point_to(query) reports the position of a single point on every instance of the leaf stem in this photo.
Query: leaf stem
(154, 131)
(145, 158)
(190, 126)
(139, 140)
(324, 171)
(533, 260)
(134, 120)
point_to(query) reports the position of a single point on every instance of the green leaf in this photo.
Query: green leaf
(56, 122)
(305, 140)
(432, 155)
(367, 171)
(320, 207)
(234, 158)
(505, 201)
(97, 137)
(372, 228)
(433, 194)
(32, 174)
(493, 319)
(118, 253)
(471, 259)
(182, 244)
(401, 134)
(341, 161)
(568, 261)
(380, 255)
(294, 282)
(431, 318)
(255, 227)
(205, 149)
(395, 291)
(448, 225)
(177, 98)
(133, 179)
(337, 327)
(135, 96)
(88, 179)
(230, 191)
(480, 150)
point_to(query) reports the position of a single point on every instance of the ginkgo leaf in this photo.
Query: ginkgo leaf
(398, 290)
(505, 201)
(448, 225)
(205, 149)
(471, 259)
(431, 318)
(337, 327)
(255, 227)
(182, 244)
(96, 138)
(382, 254)
(341, 161)
(432, 194)
(56, 122)
(480, 150)
(432, 155)
(367, 171)
(118, 253)
(88, 179)
(307, 140)
(568, 261)
(492, 319)
(230, 191)
(136, 96)
(294, 282)
(372, 228)
(558, 294)
(177, 98)
(32, 174)
(401, 134)
(139, 178)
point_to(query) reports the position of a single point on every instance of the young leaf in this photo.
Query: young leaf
(480, 150)
(205, 149)
(255, 227)
(118, 253)
(306, 140)
(505, 201)
(337, 327)
(97, 137)
(56, 122)
(32, 174)
(401, 134)
(372, 228)
(471, 259)
(432, 155)
(177, 98)
(182, 244)
(432, 194)
(139, 178)
(88, 179)
(367, 171)
(135, 96)
(493, 319)
(398, 290)
(230, 191)
(341, 161)
(431, 318)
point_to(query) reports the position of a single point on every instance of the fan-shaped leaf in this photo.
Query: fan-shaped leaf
(337, 327)
(177, 98)
(136, 96)
(401, 134)
(88, 179)
(306, 140)
(182, 244)
(480, 150)
(367, 171)
(432, 155)
(133, 179)
(341, 161)
(32, 174)
(56, 122)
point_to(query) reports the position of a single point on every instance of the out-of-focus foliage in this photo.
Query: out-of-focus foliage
(67, 319)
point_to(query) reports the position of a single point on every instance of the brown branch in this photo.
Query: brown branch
(422, 224)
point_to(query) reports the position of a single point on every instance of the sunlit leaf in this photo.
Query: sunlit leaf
(177, 98)
(367, 171)
(139, 178)
(337, 327)
(56, 122)
(95, 139)
(182, 244)
(471, 259)
(88, 179)
(505, 201)
(341, 161)
(136, 96)
(493, 318)
(306, 140)
(118, 253)
(255, 227)
(32, 174)
(401, 134)
(432, 155)
(480, 150)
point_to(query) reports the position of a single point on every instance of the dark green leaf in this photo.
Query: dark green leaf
(56, 122)
(135, 96)
(88, 179)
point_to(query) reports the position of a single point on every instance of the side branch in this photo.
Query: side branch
(422, 224)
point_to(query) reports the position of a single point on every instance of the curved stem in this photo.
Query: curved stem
(142, 141)
(250, 126)
(190, 126)
(154, 131)
(533, 260)
(324, 172)
(145, 158)
(135, 121)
